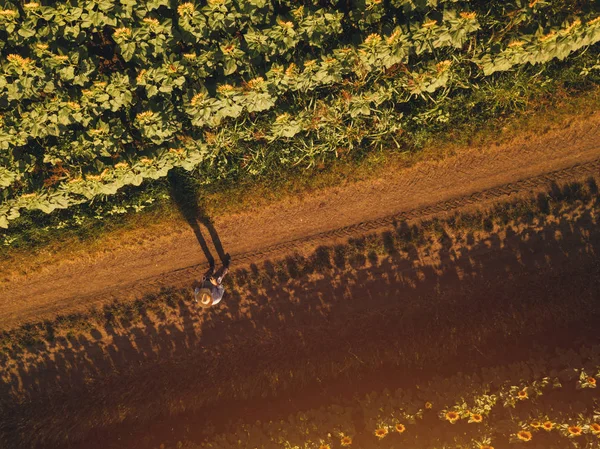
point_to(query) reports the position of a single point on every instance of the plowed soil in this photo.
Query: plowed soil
(175, 258)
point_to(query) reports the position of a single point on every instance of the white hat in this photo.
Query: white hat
(203, 296)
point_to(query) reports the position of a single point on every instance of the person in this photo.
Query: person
(217, 289)
(214, 292)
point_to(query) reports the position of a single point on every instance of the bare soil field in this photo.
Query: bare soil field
(399, 306)
(176, 257)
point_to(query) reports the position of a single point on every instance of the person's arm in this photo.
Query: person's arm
(217, 294)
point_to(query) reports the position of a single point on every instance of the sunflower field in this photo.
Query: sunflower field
(543, 403)
(96, 95)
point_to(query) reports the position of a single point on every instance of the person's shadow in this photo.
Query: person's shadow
(184, 192)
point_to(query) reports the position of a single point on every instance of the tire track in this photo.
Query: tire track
(575, 171)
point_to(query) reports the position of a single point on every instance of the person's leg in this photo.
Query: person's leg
(220, 278)
(208, 274)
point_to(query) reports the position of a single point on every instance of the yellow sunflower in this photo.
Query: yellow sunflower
(574, 431)
(548, 426)
(400, 428)
(524, 435)
(476, 417)
(595, 428)
(373, 38)
(381, 432)
(452, 417)
(428, 405)
(522, 394)
(591, 381)
(324, 446)
(346, 441)
(535, 424)
(185, 8)
(468, 15)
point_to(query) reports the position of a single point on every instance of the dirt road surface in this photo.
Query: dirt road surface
(176, 259)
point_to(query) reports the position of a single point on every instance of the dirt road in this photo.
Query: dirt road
(176, 259)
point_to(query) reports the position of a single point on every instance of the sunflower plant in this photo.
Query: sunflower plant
(65, 68)
(586, 380)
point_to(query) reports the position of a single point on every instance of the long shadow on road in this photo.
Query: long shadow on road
(185, 194)
(470, 302)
